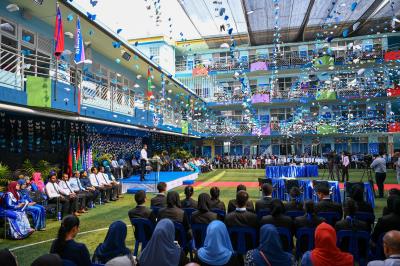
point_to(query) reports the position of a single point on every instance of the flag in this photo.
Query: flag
(58, 34)
(78, 157)
(69, 160)
(149, 89)
(79, 47)
(73, 158)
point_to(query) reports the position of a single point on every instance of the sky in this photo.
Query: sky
(137, 21)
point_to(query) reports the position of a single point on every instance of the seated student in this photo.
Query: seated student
(217, 249)
(204, 215)
(77, 188)
(270, 251)
(105, 191)
(174, 212)
(160, 200)
(309, 219)
(393, 193)
(325, 203)
(19, 226)
(241, 216)
(265, 202)
(69, 203)
(105, 181)
(67, 190)
(188, 202)
(48, 260)
(294, 204)
(36, 211)
(8, 258)
(161, 249)
(114, 182)
(279, 219)
(232, 205)
(37, 182)
(215, 203)
(391, 248)
(350, 222)
(66, 247)
(113, 250)
(141, 211)
(325, 251)
(388, 222)
(358, 197)
(89, 188)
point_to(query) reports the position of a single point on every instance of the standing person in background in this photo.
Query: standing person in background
(397, 165)
(336, 166)
(379, 166)
(143, 162)
(345, 166)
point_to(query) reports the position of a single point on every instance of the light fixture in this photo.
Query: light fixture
(250, 12)
(12, 8)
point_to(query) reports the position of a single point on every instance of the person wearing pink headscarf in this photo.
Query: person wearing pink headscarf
(37, 181)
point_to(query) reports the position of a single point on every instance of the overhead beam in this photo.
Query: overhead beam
(246, 16)
(300, 34)
(364, 17)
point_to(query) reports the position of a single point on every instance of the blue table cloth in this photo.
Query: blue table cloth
(292, 171)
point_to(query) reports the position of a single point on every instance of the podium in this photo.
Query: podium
(154, 175)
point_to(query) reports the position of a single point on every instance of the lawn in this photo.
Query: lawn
(100, 218)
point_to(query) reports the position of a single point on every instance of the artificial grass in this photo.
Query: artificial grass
(102, 216)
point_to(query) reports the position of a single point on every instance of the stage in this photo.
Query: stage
(173, 180)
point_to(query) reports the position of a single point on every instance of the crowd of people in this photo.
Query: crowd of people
(219, 246)
(33, 198)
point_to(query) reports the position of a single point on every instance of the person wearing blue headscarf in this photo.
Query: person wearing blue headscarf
(113, 245)
(161, 249)
(270, 251)
(217, 249)
(36, 211)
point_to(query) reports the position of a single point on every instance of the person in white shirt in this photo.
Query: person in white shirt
(143, 162)
(115, 166)
(98, 183)
(109, 181)
(345, 166)
(78, 188)
(57, 195)
(65, 185)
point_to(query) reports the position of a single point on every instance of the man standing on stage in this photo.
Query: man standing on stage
(143, 162)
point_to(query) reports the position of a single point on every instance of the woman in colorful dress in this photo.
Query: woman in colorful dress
(37, 211)
(19, 227)
(37, 182)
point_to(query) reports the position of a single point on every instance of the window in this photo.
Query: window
(28, 37)
(284, 83)
(155, 53)
(8, 27)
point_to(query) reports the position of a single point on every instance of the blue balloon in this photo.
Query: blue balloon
(353, 6)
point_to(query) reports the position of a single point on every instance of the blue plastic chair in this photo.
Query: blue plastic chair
(240, 233)
(285, 233)
(140, 225)
(354, 238)
(302, 233)
(330, 217)
(379, 254)
(367, 217)
(294, 214)
(183, 241)
(199, 234)
(220, 212)
(188, 212)
(262, 213)
(155, 210)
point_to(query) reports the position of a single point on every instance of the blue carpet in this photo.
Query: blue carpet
(150, 178)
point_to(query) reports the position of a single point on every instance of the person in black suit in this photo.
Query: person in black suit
(310, 219)
(294, 204)
(325, 203)
(350, 222)
(174, 212)
(160, 200)
(241, 216)
(388, 222)
(203, 215)
(188, 202)
(358, 197)
(265, 202)
(215, 203)
(393, 193)
(232, 205)
(141, 211)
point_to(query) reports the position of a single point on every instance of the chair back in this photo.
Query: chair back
(239, 234)
(354, 238)
(155, 210)
(199, 234)
(262, 213)
(285, 234)
(330, 217)
(307, 234)
(181, 233)
(294, 214)
(220, 212)
(188, 212)
(379, 254)
(367, 217)
(141, 226)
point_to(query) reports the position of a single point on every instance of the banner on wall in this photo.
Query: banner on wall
(199, 71)
(393, 55)
(38, 91)
(260, 98)
(325, 60)
(393, 92)
(256, 66)
(185, 127)
(326, 129)
(326, 95)
(394, 127)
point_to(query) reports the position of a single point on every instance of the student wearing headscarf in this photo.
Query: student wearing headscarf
(326, 253)
(174, 212)
(113, 250)
(48, 260)
(270, 251)
(203, 215)
(8, 258)
(161, 249)
(217, 249)
(37, 182)
(19, 223)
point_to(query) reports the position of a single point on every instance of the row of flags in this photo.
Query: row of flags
(79, 156)
(59, 39)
